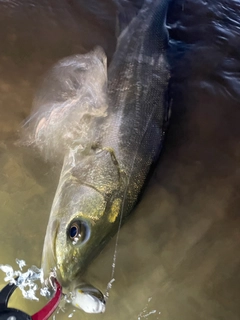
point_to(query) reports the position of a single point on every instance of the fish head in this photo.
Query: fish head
(84, 216)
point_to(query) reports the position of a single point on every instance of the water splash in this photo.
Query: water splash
(25, 280)
(71, 314)
(145, 313)
(86, 298)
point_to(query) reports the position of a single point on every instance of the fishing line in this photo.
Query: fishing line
(143, 10)
(109, 285)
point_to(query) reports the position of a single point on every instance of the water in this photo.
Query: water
(179, 253)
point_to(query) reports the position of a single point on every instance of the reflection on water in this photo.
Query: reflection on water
(178, 254)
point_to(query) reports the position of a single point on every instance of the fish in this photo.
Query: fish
(106, 126)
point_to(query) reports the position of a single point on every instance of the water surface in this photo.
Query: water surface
(181, 246)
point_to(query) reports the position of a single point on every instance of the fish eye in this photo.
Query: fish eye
(77, 231)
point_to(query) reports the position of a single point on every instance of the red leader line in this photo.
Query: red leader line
(46, 311)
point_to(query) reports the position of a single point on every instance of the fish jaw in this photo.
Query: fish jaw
(48, 256)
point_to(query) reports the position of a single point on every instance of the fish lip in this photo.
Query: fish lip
(64, 283)
(50, 266)
(48, 269)
(49, 261)
(61, 272)
(51, 270)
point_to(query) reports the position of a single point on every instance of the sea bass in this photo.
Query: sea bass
(108, 127)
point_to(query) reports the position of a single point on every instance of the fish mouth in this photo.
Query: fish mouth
(50, 270)
(49, 261)
(49, 265)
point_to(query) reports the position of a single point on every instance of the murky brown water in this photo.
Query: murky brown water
(181, 247)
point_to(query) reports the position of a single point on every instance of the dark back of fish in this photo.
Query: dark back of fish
(138, 84)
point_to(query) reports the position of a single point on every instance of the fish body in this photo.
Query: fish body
(108, 127)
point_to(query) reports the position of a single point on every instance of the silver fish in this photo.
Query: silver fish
(108, 127)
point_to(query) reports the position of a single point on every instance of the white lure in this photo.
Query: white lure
(89, 299)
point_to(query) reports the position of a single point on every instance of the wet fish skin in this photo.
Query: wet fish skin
(140, 108)
(85, 195)
(103, 175)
